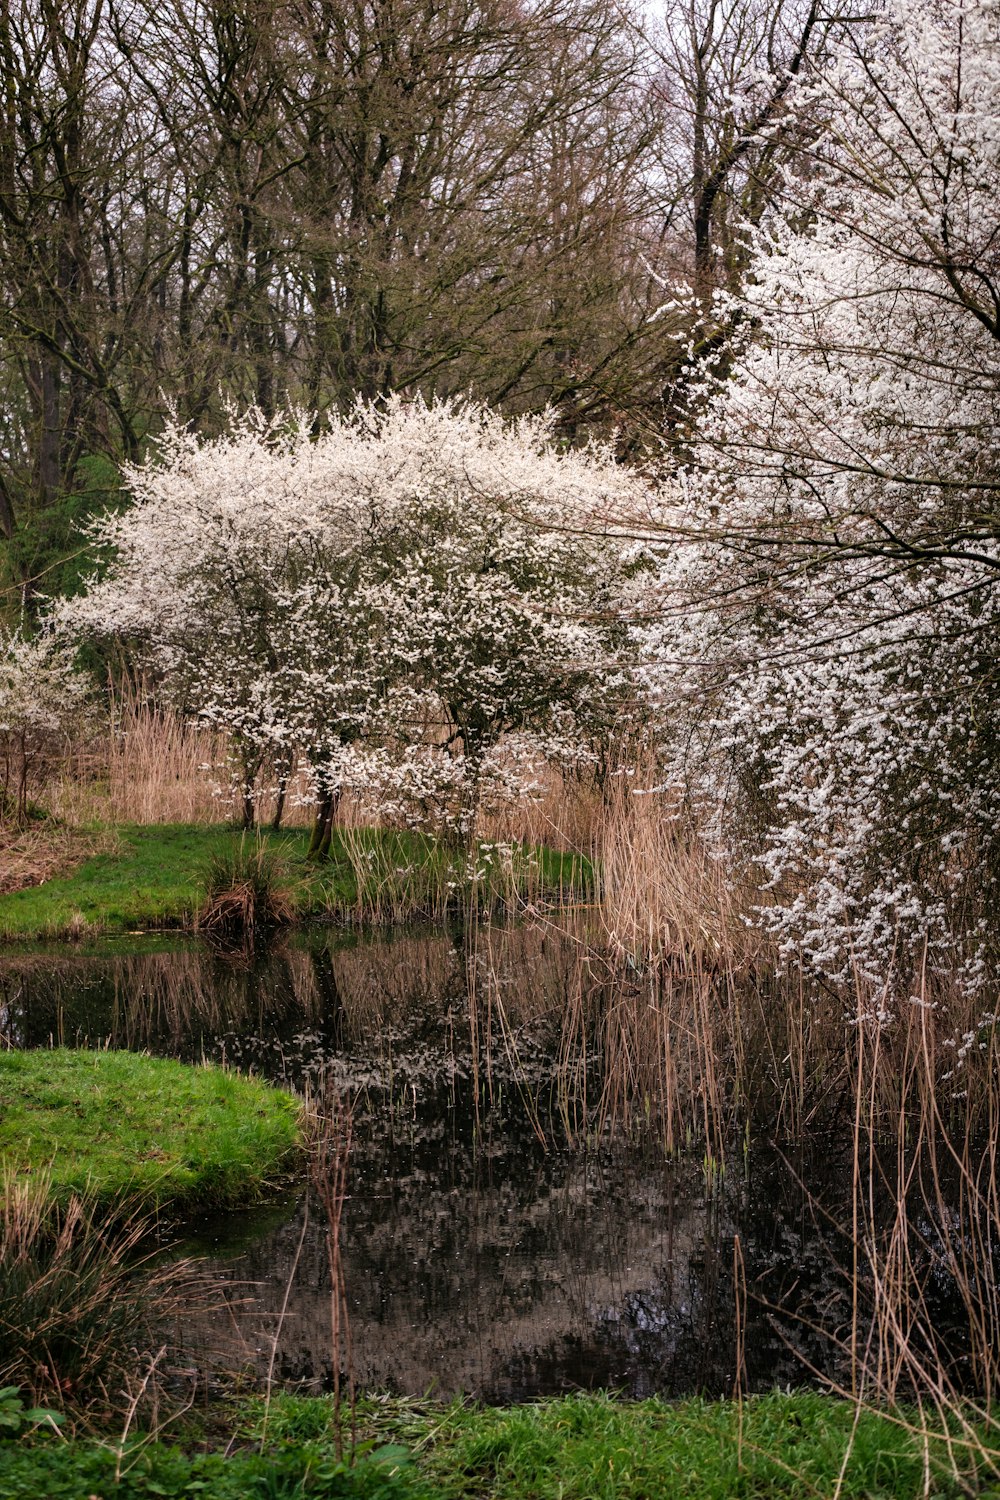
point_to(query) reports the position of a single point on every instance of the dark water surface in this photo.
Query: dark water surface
(499, 1238)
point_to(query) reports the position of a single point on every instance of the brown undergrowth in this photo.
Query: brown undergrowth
(30, 856)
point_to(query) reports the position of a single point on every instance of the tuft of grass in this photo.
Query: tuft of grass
(117, 1125)
(244, 894)
(77, 1298)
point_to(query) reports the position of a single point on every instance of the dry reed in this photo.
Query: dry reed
(78, 1295)
(152, 765)
(331, 1132)
(563, 813)
(662, 894)
(924, 1282)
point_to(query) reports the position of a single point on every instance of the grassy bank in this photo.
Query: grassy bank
(155, 876)
(154, 1132)
(576, 1448)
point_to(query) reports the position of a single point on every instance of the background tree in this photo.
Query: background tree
(42, 703)
(300, 201)
(727, 74)
(69, 151)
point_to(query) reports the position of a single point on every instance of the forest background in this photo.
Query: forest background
(694, 320)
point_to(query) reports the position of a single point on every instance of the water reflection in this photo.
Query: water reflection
(499, 1238)
(518, 1272)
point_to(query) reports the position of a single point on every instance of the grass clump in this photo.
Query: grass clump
(118, 1125)
(244, 895)
(77, 1296)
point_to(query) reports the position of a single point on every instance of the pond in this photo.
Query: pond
(506, 1233)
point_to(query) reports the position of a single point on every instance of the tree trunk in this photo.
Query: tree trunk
(284, 773)
(326, 816)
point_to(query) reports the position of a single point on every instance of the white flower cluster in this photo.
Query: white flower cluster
(41, 697)
(839, 544)
(389, 602)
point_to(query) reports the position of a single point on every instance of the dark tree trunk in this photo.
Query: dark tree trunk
(326, 816)
(284, 773)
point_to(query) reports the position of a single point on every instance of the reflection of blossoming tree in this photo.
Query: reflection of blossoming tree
(852, 467)
(403, 603)
(41, 699)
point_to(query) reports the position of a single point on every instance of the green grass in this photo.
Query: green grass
(155, 1132)
(585, 1448)
(157, 878)
(596, 1447)
(778, 1447)
(75, 1471)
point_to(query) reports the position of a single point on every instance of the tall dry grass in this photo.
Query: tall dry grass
(150, 766)
(331, 1130)
(662, 895)
(80, 1295)
(564, 813)
(923, 1283)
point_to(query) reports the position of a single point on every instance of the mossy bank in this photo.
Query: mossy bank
(157, 876)
(120, 1126)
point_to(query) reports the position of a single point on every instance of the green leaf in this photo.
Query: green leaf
(391, 1453)
(42, 1414)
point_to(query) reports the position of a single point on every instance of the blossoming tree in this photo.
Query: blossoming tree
(42, 698)
(402, 603)
(841, 532)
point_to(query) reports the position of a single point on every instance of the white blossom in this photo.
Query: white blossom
(41, 700)
(411, 588)
(837, 547)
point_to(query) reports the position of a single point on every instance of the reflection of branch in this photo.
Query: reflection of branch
(269, 1383)
(333, 1125)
